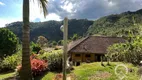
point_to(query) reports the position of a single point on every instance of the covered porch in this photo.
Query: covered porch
(86, 57)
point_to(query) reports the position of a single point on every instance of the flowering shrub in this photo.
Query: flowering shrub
(37, 66)
(54, 59)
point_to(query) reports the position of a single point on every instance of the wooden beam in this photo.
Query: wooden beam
(65, 47)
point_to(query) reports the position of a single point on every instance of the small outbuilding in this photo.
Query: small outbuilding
(91, 48)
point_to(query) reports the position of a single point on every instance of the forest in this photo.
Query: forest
(51, 29)
(112, 25)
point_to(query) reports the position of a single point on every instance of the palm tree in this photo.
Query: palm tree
(25, 73)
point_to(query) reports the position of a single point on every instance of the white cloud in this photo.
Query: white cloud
(111, 3)
(51, 16)
(67, 6)
(36, 12)
(4, 21)
(1, 3)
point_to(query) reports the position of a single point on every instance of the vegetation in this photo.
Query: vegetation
(40, 63)
(10, 63)
(75, 37)
(112, 25)
(25, 73)
(46, 76)
(124, 25)
(38, 66)
(131, 51)
(4, 76)
(35, 47)
(42, 41)
(8, 42)
(51, 29)
(95, 71)
(116, 25)
(54, 59)
(85, 71)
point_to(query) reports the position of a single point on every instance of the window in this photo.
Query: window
(77, 55)
(87, 55)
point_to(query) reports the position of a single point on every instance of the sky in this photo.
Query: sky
(11, 10)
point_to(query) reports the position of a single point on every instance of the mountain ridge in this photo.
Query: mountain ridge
(111, 25)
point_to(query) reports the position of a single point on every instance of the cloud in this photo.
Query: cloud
(92, 9)
(67, 6)
(58, 9)
(1, 3)
(4, 21)
(51, 16)
(36, 12)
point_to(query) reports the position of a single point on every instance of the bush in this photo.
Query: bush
(8, 42)
(130, 51)
(37, 66)
(10, 62)
(54, 59)
(55, 62)
(35, 48)
(42, 41)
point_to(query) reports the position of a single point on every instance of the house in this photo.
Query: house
(91, 48)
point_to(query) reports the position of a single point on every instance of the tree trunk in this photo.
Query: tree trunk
(25, 73)
(102, 61)
(108, 61)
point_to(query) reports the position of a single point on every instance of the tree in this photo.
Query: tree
(42, 41)
(131, 51)
(75, 37)
(25, 73)
(8, 42)
(35, 47)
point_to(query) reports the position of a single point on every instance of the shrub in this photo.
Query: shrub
(37, 66)
(55, 62)
(10, 62)
(131, 51)
(42, 41)
(8, 42)
(35, 48)
(54, 59)
(140, 71)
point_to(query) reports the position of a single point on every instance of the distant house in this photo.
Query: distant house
(91, 48)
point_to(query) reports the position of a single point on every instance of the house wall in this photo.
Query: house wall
(91, 58)
(76, 58)
(82, 57)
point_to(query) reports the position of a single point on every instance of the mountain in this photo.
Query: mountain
(51, 29)
(117, 24)
(112, 25)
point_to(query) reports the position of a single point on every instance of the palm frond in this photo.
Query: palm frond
(43, 6)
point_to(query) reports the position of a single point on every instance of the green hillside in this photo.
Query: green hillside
(112, 25)
(117, 24)
(51, 29)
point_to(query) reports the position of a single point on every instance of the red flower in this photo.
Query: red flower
(37, 65)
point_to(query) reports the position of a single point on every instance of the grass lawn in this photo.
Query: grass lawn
(47, 76)
(94, 71)
(6, 75)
